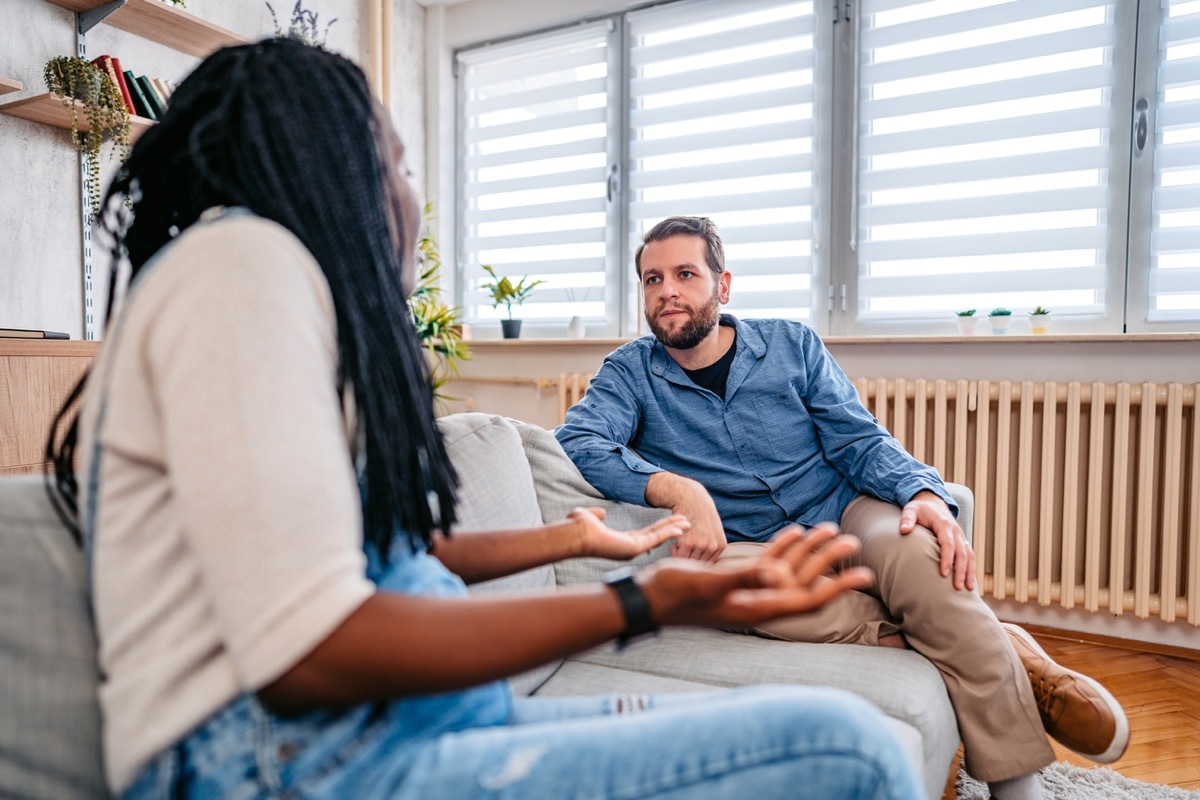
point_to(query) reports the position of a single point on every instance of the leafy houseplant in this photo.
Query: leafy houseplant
(966, 322)
(503, 290)
(999, 319)
(79, 83)
(302, 26)
(1039, 320)
(438, 324)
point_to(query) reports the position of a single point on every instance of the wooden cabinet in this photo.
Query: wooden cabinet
(35, 377)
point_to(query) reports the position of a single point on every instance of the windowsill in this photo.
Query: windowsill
(1046, 338)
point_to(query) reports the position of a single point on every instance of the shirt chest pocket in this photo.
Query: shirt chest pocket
(782, 427)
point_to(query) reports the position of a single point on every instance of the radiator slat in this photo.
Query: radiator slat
(983, 459)
(1095, 497)
(1000, 532)
(1046, 519)
(1172, 480)
(918, 445)
(1070, 518)
(1120, 506)
(1146, 475)
(962, 401)
(900, 431)
(939, 428)
(1024, 519)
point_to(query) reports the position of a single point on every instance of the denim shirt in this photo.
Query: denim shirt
(789, 443)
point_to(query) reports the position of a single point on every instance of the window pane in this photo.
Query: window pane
(535, 131)
(721, 125)
(984, 157)
(1175, 238)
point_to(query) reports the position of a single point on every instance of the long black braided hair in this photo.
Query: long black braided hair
(291, 133)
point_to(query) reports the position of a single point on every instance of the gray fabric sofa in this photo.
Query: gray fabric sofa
(513, 475)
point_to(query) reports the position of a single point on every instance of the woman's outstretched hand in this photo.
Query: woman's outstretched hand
(601, 541)
(790, 577)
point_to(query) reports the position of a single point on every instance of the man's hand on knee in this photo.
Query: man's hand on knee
(930, 511)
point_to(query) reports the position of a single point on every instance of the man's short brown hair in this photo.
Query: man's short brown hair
(686, 226)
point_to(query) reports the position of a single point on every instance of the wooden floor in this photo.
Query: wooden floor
(1161, 696)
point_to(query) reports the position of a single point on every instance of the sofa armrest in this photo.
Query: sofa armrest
(966, 507)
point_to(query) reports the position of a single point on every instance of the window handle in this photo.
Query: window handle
(1141, 123)
(614, 183)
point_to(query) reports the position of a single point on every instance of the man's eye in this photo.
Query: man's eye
(651, 280)
(686, 274)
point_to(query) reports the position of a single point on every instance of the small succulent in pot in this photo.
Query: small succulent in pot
(970, 312)
(78, 83)
(1000, 312)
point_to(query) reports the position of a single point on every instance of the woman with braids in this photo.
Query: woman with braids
(266, 509)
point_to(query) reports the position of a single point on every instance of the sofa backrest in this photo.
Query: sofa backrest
(496, 492)
(49, 713)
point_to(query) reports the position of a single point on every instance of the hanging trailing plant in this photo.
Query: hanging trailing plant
(80, 84)
(438, 324)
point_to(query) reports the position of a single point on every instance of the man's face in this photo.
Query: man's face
(682, 293)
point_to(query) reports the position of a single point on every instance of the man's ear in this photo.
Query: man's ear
(723, 284)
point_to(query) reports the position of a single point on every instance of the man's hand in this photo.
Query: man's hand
(790, 577)
(706, 538)
(601, 541)
(930, 511)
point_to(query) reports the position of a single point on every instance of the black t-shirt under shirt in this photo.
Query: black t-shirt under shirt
(714, 376)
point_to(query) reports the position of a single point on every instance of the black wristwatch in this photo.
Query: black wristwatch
(639, 625)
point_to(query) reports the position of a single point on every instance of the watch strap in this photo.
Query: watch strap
(634, 605)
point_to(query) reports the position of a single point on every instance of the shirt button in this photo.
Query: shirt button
(742, 446)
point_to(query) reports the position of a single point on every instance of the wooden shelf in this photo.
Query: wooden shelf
(162, 23)
(48, 109)
(9, 85)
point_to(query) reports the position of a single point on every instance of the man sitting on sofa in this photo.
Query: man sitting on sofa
(747, 426)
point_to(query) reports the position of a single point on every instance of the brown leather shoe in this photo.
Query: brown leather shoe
(1076, 710)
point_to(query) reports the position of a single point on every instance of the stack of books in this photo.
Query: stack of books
(144, 97)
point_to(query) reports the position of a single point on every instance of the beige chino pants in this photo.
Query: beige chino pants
(1001, 730)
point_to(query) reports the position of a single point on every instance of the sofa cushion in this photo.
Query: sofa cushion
(49, 713)
(496, 493)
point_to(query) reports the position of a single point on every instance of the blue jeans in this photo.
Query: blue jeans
(760, 743)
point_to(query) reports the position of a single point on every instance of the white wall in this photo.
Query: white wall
(40, 244)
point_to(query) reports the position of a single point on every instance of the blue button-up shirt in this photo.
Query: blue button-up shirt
(789, 443)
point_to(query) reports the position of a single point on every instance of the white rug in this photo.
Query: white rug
(1062, 781)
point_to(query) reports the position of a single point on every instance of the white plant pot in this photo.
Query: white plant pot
(966, 326)
(575, 328)
(1000, 324)
(1039, 323)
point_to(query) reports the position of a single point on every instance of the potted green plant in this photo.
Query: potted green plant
(503, 290)
(1039, 320)
(302, 26)
(966, 322)
(999, 319)
(439, 324)
(78, 83)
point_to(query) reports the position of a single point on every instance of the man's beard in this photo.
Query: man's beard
(700, 323)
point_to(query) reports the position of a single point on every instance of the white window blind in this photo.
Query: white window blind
(1175, 250)
(721, 125)
(984, 157)
(534, 155)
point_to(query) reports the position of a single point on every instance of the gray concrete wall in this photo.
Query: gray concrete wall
(40, 244)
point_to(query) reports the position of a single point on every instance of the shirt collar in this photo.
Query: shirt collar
(750, 346)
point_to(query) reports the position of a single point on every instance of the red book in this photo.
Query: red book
(112, 67)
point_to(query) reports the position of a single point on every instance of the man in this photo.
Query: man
(747, 426)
